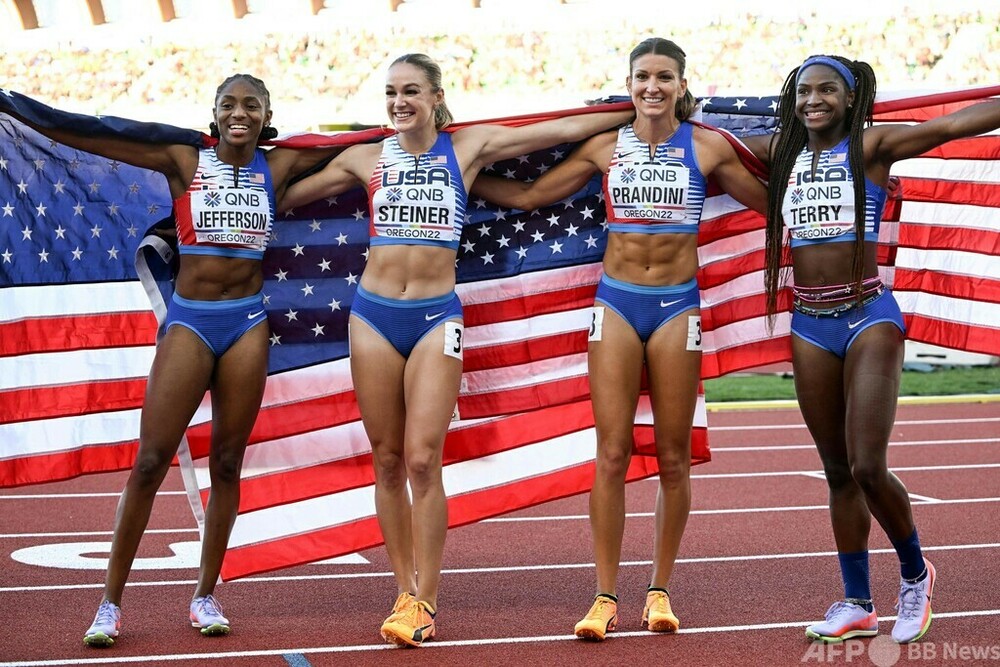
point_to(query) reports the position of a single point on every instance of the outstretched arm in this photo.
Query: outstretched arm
(760, 146)
(720, 160)
(175, 161)
(342, 173)
(886, 144)
(555, 184)
(287, 163)
(489, 143)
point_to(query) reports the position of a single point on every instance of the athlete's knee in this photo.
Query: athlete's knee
(390, 471)
(225, 466)
(151, 467)
(423, 468)
(870, 474)
(839, 476)
(613, 457)
(674, 471)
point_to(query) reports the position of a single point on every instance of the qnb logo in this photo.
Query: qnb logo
(394, 194)
(628, 175)
(213, 199)
(798, 195)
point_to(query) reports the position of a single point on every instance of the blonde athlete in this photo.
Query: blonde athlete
(406, 321)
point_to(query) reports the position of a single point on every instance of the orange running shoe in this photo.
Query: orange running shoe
(600, 620)
(657, 614)
(399, 608)
(412, 626)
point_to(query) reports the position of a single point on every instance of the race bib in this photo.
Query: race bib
(650, 193)
(415, 212)
(820, 205)
(231, 216)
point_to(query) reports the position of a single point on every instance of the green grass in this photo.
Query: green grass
(943, 381)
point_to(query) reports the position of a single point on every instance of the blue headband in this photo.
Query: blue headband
(829, 62)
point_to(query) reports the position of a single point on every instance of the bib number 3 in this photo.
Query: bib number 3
(596, 324)
(694, 332)
(453, 333)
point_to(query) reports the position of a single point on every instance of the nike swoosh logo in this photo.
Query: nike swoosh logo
(250, 316)
(670, 303)
(418, 634)
(430, 317)
(851, 325)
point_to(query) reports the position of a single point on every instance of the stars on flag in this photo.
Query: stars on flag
(53, 196)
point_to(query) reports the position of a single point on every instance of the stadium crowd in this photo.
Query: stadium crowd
(318, 71)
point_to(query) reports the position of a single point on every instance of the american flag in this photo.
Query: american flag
(76, 341)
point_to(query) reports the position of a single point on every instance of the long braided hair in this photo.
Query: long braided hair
(267, 132)
(789, 141)
(664, 47)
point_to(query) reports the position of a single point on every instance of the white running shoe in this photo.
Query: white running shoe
(914, 607)
(844, 620)
(206, 613)
(106, 626)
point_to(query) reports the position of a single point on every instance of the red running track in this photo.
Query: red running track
(757, 564)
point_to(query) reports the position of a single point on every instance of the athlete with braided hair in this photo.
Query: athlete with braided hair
(829, 173)
(215, 336)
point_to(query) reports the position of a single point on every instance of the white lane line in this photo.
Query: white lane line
(48, 496)
(819, 473)
(440, 645)
(734, 475)
(904, 443)
(922, 500)
(908, 422)
(917, 500)
(496, 569)
(98, 533)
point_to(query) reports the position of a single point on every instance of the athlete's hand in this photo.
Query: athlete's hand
(894, 188)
